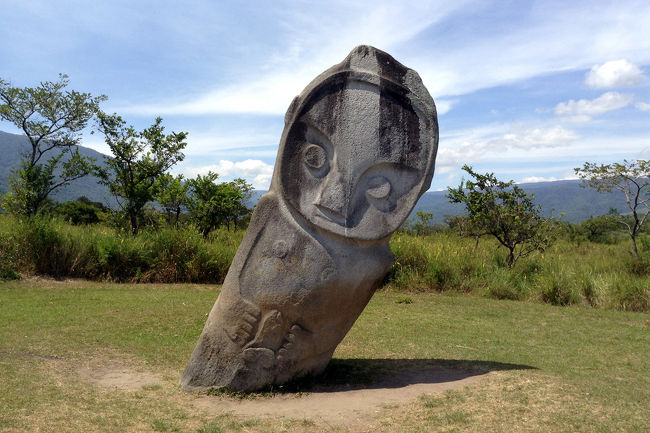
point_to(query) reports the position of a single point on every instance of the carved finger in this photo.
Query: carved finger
(247, 327)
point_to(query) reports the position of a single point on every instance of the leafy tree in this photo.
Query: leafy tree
(601, 229)
(239, 191)
(52, 118)
(214, 204)
(503, 210)
(171, 194)
(77, 212)
(139, 160)
(422, 225)
(631, 178)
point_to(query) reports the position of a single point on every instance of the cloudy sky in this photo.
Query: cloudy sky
(525, 89)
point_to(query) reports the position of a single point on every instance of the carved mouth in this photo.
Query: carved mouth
(330, 215)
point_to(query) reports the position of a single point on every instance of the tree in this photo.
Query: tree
(214, 204)
(423, 225)
(171, 194)
(632, 178)
(139, 160)
(52, 118)
(602, 228)
(503, 210)
(79, 211)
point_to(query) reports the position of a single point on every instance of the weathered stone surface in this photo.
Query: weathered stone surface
(357, 151)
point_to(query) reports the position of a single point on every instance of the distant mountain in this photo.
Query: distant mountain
(13, 146)
(564, 197)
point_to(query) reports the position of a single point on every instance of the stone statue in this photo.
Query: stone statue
(356, 153)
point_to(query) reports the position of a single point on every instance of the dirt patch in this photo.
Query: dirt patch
(344, 404)
(346, 397)
(119, 377)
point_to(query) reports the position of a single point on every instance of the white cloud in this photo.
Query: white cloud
(584, 109)
(493, 141)
(444, 105)
(536, 179)
(614, 73)
(556, 136)
(254, 171)
(315, 39)
(643, 106)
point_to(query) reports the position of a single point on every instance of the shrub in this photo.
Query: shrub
(630, 295)
(506, 285)
(557, 289)
(77, 212)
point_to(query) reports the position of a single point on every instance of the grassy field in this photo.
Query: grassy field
(570, 272)
(552, 369)
(567, 273)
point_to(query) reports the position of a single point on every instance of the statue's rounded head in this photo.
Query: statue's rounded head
(358, 147)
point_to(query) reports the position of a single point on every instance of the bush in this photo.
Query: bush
(506, 285)
(557, 289)
(598, 275)
(630, 295)
(77, 212)
(54, 248)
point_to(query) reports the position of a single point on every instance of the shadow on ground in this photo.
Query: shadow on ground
(354, 374)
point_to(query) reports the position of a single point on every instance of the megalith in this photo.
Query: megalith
(357, 151)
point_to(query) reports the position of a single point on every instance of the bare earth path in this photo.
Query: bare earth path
(333, 405)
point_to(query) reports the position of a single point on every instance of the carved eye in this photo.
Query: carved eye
(378, 188)
(315, 157)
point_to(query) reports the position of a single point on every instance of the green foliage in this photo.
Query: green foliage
(139, 160)
(218, 204)
(404, 300)
(52, 118)
(423, 225)
(630, 295)
(602, 229)
(503, 210)
(632, 179)
(80, 211)
(598, 275)
(171, 194)
(51, 247)
(558, 289)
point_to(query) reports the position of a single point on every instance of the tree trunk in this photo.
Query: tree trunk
(636, 250)
(134, 222)
(511, 257)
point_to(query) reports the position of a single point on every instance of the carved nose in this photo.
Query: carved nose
(334, 197)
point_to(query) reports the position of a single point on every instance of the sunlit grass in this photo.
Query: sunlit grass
(553, 369)
(568, 273)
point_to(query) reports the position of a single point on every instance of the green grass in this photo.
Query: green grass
(568, 273)
(553, 369)
(598, 275)
(51, 247)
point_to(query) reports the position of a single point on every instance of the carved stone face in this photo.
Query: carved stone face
(353, 160)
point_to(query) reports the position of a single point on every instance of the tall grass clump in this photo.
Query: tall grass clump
(567, 273)
(630, 294)
(51, 247)
(9, 262)
(439, 262)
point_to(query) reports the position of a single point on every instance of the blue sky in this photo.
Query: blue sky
(525, 89)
